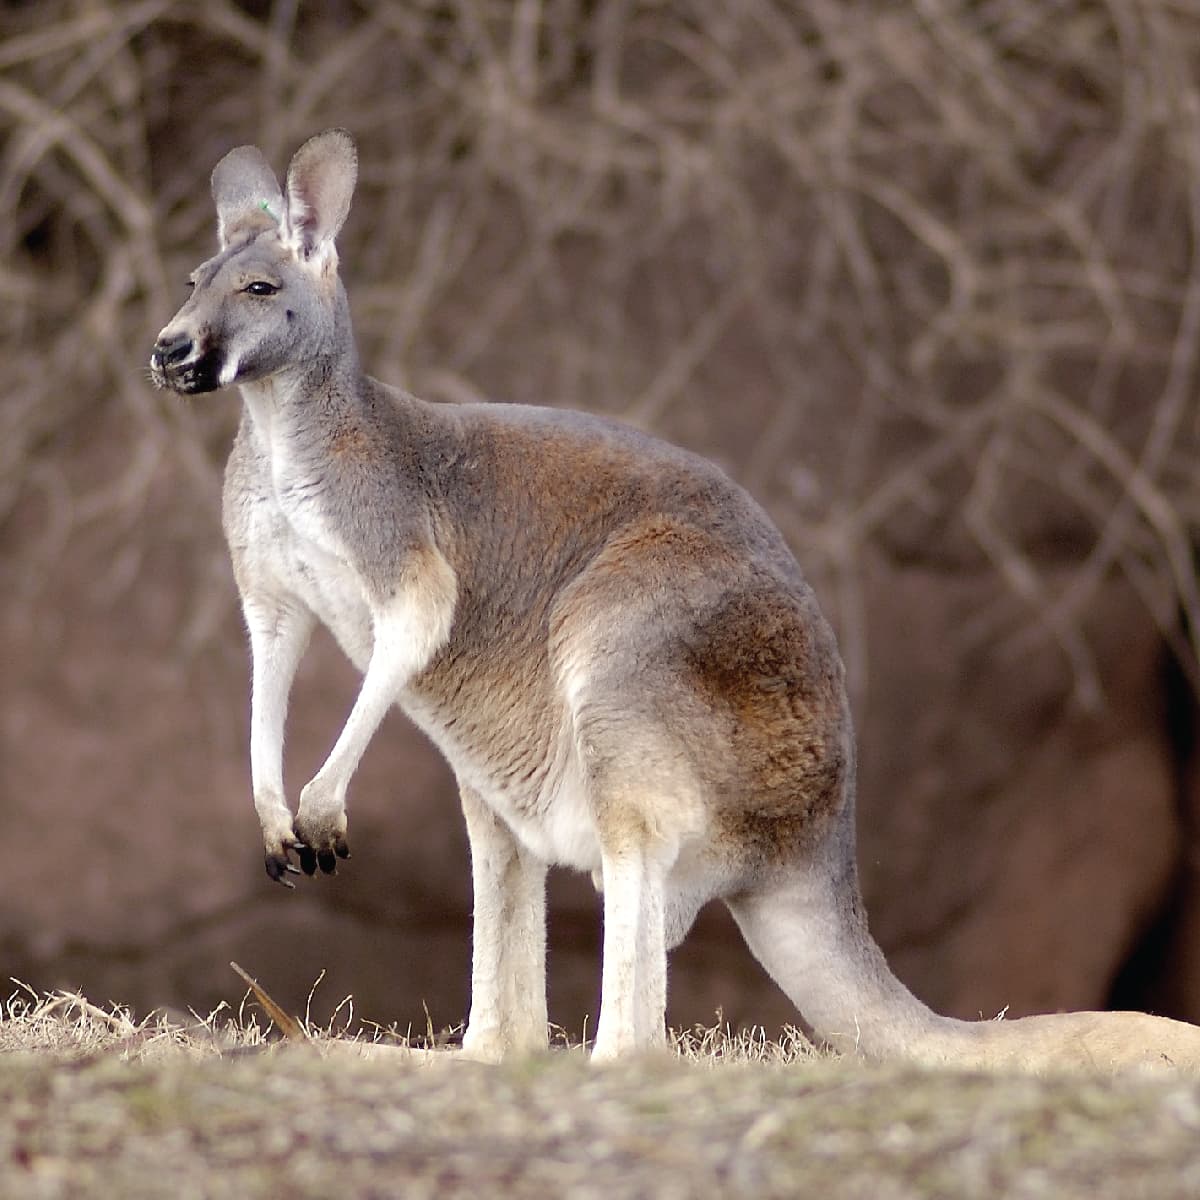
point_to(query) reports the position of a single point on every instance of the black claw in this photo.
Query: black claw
(341, 849)
(327, 862)
(277, 869)
(308, 860)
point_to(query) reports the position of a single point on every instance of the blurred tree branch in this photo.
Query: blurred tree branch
(925, 275)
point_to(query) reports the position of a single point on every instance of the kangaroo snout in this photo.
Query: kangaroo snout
(178, 363)
(170, 349)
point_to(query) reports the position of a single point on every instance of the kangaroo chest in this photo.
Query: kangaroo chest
(288, 541)
(330, 589)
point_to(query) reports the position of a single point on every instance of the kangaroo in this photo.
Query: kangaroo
(605, 636)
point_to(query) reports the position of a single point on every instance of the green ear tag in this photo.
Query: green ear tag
(267, 209)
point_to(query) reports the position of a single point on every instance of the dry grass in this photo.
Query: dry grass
(67, 1026)
(97, 1103)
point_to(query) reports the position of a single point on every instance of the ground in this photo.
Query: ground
(96, 1104)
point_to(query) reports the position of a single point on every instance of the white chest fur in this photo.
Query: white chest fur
(290, 541)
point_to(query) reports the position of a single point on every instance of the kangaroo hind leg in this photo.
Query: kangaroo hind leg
(633, 990)
(508, 953)
(645, 810)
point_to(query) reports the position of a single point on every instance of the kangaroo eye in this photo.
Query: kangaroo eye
(260, 287)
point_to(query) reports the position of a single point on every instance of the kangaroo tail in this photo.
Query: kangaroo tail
(810, 932)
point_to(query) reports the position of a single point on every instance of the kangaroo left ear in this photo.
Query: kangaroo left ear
(320, 183)
(246, 193)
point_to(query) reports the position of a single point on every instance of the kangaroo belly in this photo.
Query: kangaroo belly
(557, 825)
(532, 784)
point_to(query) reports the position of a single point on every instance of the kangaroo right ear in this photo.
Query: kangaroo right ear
(246, 193)
(320, 182)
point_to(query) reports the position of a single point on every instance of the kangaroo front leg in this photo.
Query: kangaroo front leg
(633, 990)
(508, 951)
(408, 631)
(279, 632)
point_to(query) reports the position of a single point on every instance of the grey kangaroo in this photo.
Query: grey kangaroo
(607, 638)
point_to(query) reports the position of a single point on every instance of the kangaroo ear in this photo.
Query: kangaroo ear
(320, 182)
(246, 193)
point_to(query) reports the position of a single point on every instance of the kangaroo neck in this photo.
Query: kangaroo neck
(303, 403)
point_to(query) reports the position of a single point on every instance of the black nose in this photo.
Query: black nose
(171, 350)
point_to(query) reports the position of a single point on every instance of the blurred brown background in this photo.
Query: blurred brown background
(924, 276)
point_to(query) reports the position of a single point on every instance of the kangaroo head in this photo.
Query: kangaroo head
(269, 299)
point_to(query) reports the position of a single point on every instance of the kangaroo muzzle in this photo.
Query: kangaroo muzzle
(179, 363)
